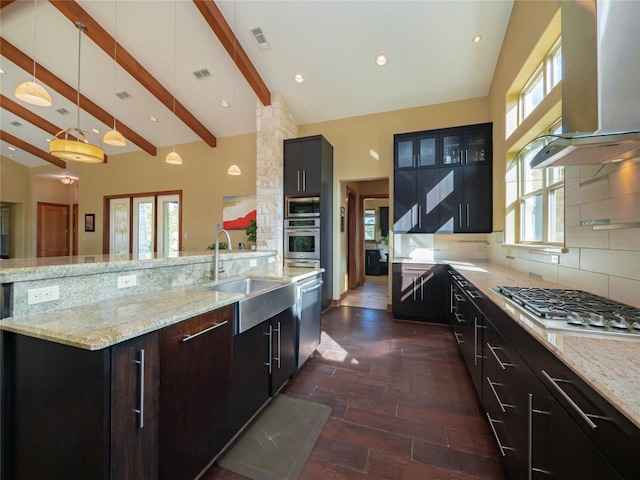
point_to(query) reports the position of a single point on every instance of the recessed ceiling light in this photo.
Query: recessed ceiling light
(2, 71)
(152, 118)
(615, 160)
(224, 104)
(96, 131)
(477, 39)
(299, 78)
(12, 148)
(48, 139)
(381, 59)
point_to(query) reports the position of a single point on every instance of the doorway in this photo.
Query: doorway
(53, 230)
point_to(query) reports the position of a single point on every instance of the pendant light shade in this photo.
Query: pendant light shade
(67, 180)
(75, 150)
(34, 94)
(31, 92)
(234, 170)
(173, 158)
(79, 149)
(115, 138)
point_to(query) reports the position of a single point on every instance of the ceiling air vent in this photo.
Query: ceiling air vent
(123, 95)
(202, 74)
(63, 111)
(16, 123)
(258, 34)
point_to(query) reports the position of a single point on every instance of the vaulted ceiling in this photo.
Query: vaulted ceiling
(200, 52)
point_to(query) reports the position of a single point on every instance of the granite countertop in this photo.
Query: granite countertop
(609, 364)
(98, 325)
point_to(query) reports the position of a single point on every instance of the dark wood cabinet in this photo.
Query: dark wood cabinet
(71, 413)
(418, 292)
(451, 194)
(547, 422)
(308, 165)
(308, 170)
(264, 358)
(195, 392)
(135, 376)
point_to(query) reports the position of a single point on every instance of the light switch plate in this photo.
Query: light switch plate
(555, 259)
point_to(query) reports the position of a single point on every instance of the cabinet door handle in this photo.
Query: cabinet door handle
(419, 218)
(456, 334)
(270, 334)
(530, 449)
(495, 355)
(422, 289)
(556, 387)
(475, 340)
(451, 298)
(467, 215)
(312, 289)
(140, 409)
(304, 180)
(495, 394)
(414, 288)
(277, 359)
(298, 180)
(495, 434)
(212, 327)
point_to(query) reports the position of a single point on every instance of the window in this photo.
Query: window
(539, 197)
(143, 224)
(546, 76)
(369, 224)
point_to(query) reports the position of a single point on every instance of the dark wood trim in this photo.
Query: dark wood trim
(223, 31)
(27, 147)
(107, 43)
(74, 225)
(67, 91)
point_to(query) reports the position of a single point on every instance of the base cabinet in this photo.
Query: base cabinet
(264, 358)
(418, 292)
(547, 422)
(73, 413)
(195, 392)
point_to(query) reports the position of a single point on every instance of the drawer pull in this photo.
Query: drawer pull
(573, 404)
(495, 355)
(460, 298)
(455, 334)
(459, 316)
(212, 327)
(495, 394)
(495, 434)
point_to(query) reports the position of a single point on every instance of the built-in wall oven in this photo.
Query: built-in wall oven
(302, 207)
(302, 241)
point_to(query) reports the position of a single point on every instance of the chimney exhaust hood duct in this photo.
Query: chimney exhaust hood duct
(600, 86)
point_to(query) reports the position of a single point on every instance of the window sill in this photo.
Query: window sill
(538, 249)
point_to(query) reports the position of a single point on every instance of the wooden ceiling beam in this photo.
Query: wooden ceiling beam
(107, 43)
(223, 31)
(4, 3)
(27, 147)
(67, 91)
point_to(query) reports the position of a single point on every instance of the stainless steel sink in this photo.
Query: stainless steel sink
(262, 299)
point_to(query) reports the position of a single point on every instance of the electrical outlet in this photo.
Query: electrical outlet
(555, 259)
(127, 281)
(44, 294)
(253, 263)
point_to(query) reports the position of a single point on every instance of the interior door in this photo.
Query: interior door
(53, 230)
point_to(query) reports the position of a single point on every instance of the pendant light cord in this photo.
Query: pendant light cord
(80, 27)
(173, 95)
(35, 28)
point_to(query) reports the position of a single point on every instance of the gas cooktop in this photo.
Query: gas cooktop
(575, 310)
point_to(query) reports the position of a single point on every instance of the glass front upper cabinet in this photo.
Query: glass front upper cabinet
(416, 150)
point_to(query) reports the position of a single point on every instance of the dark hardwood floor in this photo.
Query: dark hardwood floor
(403, 405)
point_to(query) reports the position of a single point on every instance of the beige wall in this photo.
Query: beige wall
(202, 178)
(15, 186)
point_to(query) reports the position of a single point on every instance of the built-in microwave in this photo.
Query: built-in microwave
(302, 238)
(302, 207)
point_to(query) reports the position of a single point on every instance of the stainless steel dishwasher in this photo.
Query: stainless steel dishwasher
(309, 293)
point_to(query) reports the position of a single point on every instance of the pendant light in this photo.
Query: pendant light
(234, 169)
(114, 137)
(67, 180)
(32, 92)
(173, 158)
(78, 150)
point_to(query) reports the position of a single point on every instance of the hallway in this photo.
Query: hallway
(403, 404)
(373, 294)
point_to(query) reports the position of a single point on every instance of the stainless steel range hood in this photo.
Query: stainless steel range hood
(600, 86)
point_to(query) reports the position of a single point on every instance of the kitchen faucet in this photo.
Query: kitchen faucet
(216, 270)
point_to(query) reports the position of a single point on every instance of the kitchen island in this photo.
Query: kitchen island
(106, 387)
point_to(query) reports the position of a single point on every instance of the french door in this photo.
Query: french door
(144, 224)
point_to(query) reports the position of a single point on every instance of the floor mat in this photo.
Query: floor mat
(276, 445)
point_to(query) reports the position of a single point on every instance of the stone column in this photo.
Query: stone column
(274, 124)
